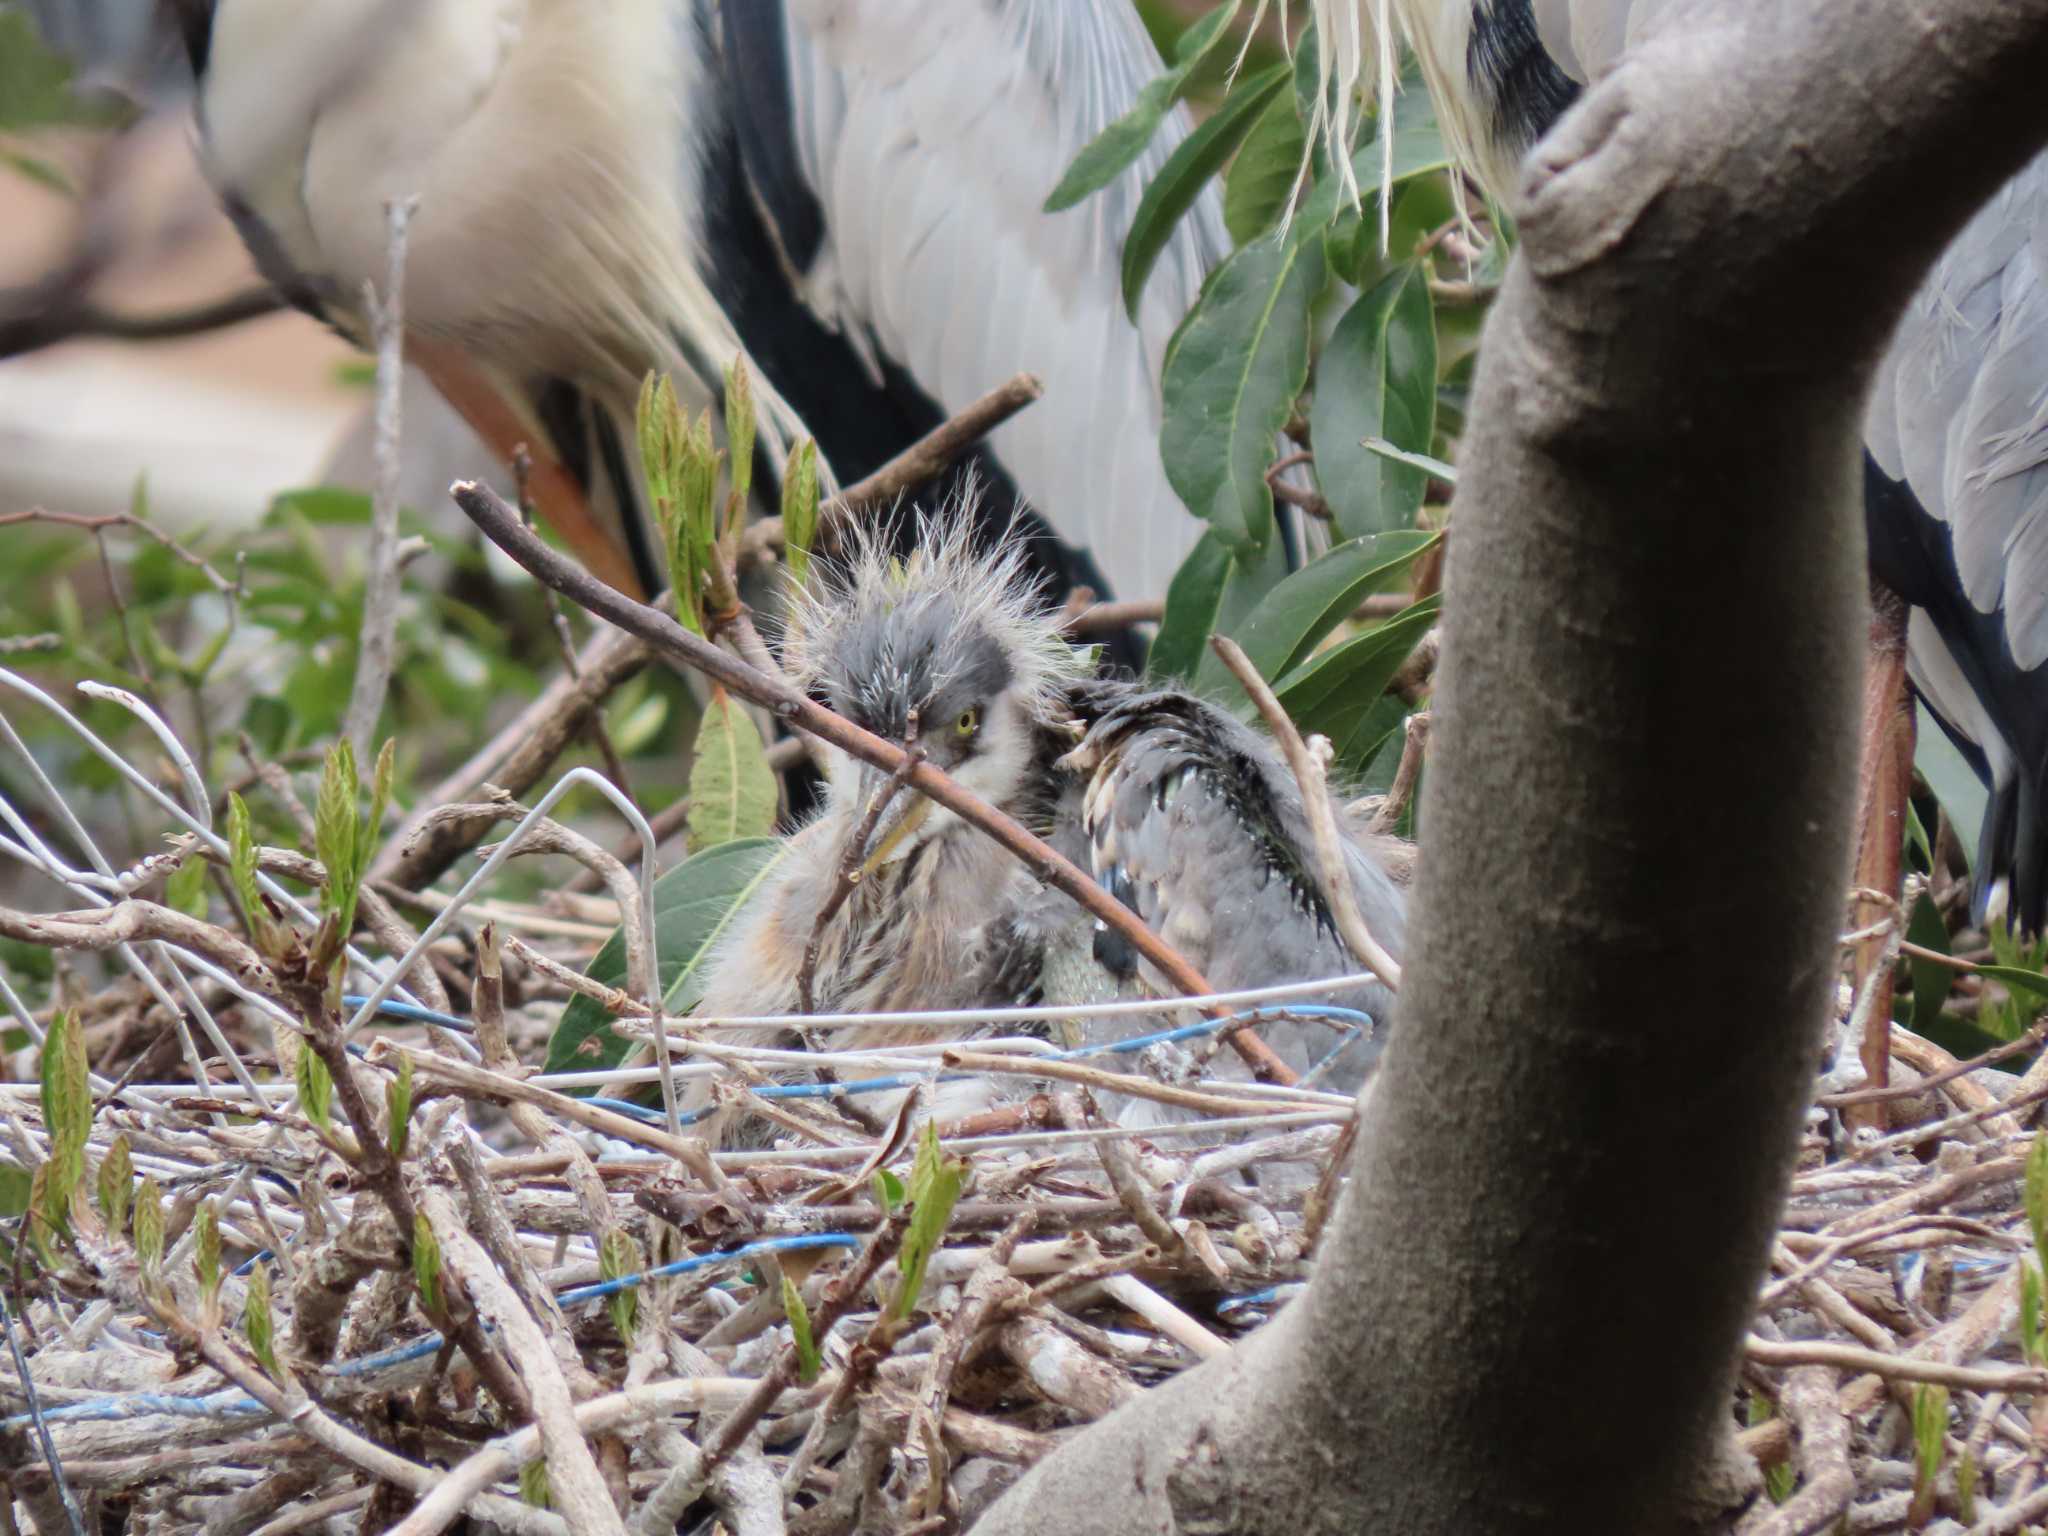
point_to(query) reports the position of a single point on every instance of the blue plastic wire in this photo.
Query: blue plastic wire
(411, 1013)
(1323, 1011)
(228, 1404)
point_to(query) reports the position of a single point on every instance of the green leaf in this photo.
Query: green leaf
(324, 506)
(334, 834)
(242, 875)
(149, 1226)
(1262, 176)
(315, 1085)
(1930, 1434)
(1194, 160)
(257, 1326)
(533, 1484)
(1332, 692)
(888, 1189)
(935, 1184)
(618, 1254)
(1419, 150)
(694, 903)
(1376, 379)
(739, 429)
(732, 788)
(36, 87)
(398, 1105)
(67, 1110)
(2032, 983)
(1421, 462)
(807, 1357)
(1292, 619)
(1232, 373)
(800, 507)
(426, 1263)
(1931, 982)
(185, 890)
(1192, 600)
(206, 1259)
(1966, 1488)
(44, 173)
(116, 1185)
(1105, 156)
(2036, 1194)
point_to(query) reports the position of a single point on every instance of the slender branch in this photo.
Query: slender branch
(1311, 771)
(500, 523)
(28, 322)
(377, 651)
(922, 460)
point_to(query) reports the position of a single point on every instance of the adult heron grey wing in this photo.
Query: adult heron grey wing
(925, 141)
(1957, 427)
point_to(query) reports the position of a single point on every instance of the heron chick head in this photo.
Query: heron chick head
(953, 651)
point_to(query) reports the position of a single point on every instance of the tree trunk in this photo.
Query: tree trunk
(1636, 834)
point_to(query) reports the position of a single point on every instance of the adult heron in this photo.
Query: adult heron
(847, 194)
(1956, 431)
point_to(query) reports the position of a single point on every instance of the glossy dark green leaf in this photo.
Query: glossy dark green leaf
(1194, 160)
(1232, 374)
(1261, 178)
(1377, 379)
(1931, 981)
(1418, 150)
(1333, 692)
(1293, 618)
(1367, 757)
(1106, 155)
(1192, 599)
(693, 905)
(2014, 978)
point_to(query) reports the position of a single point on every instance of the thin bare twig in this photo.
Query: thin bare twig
(378, 650)
(1312, 774)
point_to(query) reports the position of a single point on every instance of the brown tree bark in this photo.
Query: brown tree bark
(1637, 823)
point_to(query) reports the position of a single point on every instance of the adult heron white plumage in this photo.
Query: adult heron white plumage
(1956, 431)
(847, 194)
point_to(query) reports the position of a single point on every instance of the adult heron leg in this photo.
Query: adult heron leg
(1883, 783)
(562, 503)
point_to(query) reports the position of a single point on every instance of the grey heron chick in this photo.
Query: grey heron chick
(1186, 814)
(951, 655)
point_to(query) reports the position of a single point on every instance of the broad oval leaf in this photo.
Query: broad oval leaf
(1194, 160)
(1105, 156)
(1377, 379)
(1293, 618)
(1262, 177)
(732, 788)
(1232, 373)
(694, 904)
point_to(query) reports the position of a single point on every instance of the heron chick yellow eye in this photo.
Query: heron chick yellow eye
(969, 721)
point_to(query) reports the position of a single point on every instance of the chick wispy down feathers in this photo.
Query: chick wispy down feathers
(869, 627)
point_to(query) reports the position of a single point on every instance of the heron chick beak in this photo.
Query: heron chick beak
(894, 823)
